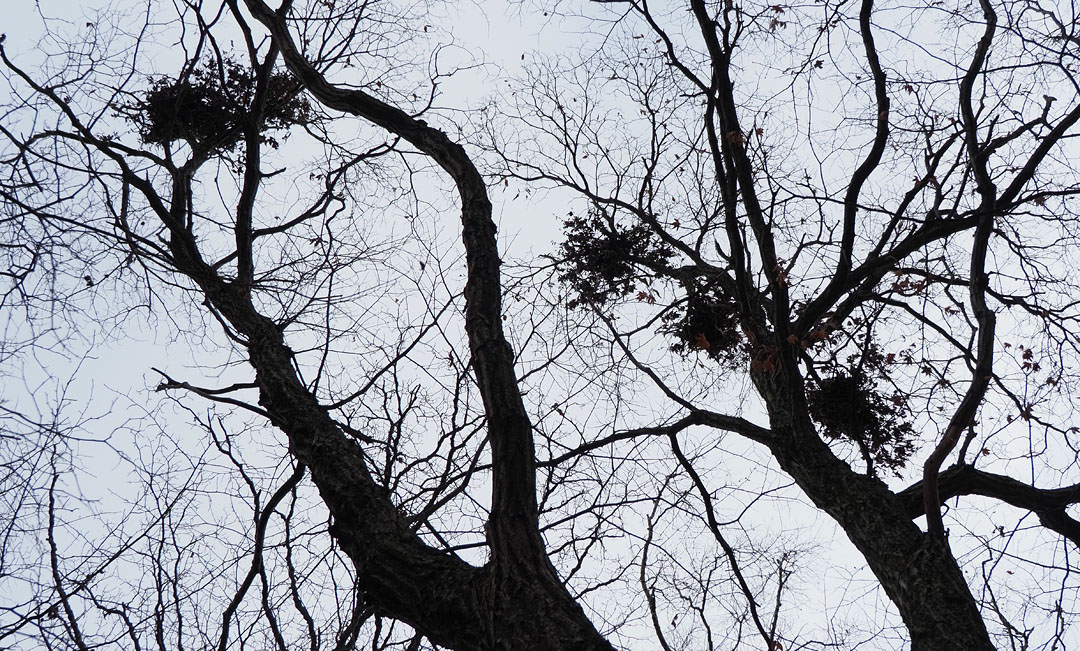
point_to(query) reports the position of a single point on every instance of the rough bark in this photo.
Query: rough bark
(513, 602)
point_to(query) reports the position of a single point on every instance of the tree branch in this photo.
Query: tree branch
(1049, 504)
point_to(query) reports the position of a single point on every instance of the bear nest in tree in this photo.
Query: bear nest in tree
(847, 407)
(708, 321)
(209, 106)
(604, 260)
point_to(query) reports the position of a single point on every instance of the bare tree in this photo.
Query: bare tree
(884, 283)
(259, 276)
(851, 209)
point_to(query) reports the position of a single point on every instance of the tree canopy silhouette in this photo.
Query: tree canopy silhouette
(816, 274)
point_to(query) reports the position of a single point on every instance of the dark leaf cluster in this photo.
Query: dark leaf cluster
(708, 320)
(209, 106)
(848, 406)
(603, 260)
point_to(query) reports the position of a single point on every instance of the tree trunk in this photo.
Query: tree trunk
(516, 601)
(918, 572)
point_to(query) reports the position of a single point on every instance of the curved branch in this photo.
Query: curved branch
(1049, 504)
(514, 507)
(984, 361)
(711, 419)
(714, 527)
(519, 600)
(256, 555)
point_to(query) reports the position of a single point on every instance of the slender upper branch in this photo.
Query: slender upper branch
(984, 361)
(824, 301)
